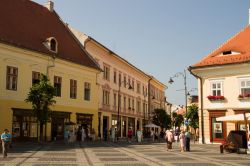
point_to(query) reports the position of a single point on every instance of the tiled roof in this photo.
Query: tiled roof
(238, 44)
(27, 25)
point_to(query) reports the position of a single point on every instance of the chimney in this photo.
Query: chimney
(49, 5)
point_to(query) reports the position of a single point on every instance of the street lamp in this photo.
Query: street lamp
(119, 104)
(183, 74)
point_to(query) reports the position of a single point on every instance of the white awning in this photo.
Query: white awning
(234, 118)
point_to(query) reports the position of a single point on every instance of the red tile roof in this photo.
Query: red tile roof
(26, 24)
(239, 43)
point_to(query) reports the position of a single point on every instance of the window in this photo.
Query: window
(115, 77)
(35, 77)
(11, 80)
(133, 84)
(53, 45)
(129, 103)
(106, 73)
(133, 104)
(87, 91)
(57, 85)
(245, 87)
(216, 88)
(114, 99)
(105, 97)
(124, 102)
(124, 81)
(138, 88)
(73, 89)
(138, 106)
(120, 79)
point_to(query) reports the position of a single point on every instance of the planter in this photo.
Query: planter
(216, 98)
(244, 97)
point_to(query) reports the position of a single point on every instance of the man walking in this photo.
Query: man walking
(6, 140)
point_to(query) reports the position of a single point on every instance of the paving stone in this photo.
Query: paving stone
(139, 164)
(230, 158)
(194, 164)
(7, 159)
(54, 164)
(108, 151)
(117, 159)
(160, 154)
(111, 154)
(57, 159)
(171, 158)
(59, 154)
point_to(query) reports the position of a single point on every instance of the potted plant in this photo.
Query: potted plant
(244, 96)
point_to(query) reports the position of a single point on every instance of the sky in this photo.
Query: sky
(160, 37)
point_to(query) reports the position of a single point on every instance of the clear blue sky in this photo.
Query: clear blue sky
(161, 37)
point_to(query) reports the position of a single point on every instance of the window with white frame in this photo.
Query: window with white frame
(106, 73)
(105, 97)
(11, 78)
(245, 86)
(87, 91)
(216, 88)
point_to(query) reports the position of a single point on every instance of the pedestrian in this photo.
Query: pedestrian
(83, 134)
(130, 133)
(169, 139)
(182, 141)
(113, 134)
(93, 134)
(66, 136)
(139, 136)
(105, 134)
(6, 141)
(79, 135)
(187, 140)
(152, 134)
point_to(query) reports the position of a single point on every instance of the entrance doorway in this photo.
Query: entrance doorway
(105, 124)
(58, 120)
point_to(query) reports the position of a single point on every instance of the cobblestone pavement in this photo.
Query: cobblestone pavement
(119, 154)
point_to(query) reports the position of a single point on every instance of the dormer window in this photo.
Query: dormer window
(228, 52)
(51, 44)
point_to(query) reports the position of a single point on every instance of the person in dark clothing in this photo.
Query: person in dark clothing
(187, 141)
(79, 135)
(105, 134)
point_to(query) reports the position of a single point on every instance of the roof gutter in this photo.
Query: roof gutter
(201, 105)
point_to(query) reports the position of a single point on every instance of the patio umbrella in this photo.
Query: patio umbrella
(151, 125)
(245, 117)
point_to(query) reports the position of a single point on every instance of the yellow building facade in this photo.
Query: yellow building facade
(58, 55)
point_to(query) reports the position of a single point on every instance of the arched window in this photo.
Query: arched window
(53, 45)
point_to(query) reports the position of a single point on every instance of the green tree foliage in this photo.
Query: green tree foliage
(177, 119)
(192, 116)
(161, 118)
(41, 97)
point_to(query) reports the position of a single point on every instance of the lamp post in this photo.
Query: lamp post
(119, 105)
(183, 74)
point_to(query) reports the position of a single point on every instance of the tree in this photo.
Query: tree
(193, 117)
(177, 119)
(41, 97)
(161, 118)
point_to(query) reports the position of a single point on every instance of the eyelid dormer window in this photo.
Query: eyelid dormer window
(51, 44)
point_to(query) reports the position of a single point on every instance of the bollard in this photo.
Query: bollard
(221, 148)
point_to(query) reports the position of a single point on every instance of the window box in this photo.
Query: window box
(216, 98)
(244, 97)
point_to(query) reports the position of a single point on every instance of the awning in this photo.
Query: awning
(234, 118)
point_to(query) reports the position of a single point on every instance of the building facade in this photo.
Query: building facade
(224, 86)
(124, 90)
(46, 46)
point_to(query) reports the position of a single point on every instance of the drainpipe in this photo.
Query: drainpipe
(149, 97)
(201, 101)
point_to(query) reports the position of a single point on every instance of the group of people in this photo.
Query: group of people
(183, 137)
(80, 134)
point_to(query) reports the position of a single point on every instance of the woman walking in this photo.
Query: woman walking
(182, 140)
(169, 139)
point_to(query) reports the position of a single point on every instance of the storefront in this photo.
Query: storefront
(85, 121)
(24, 125)
(218, 129)
(58, 120)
